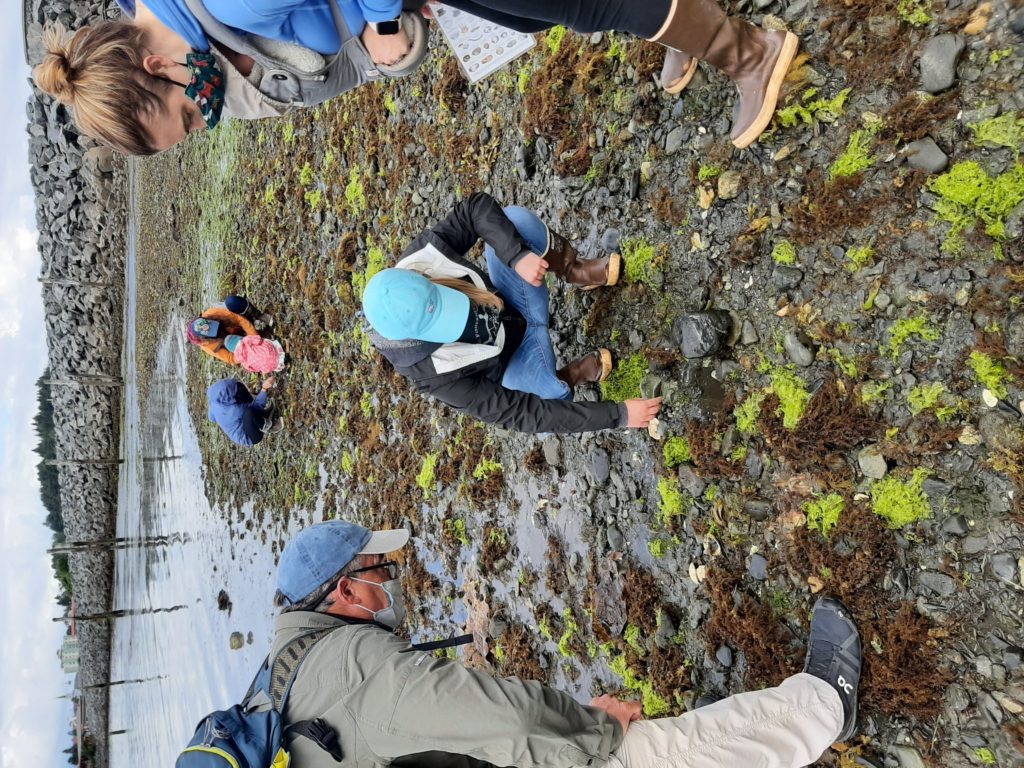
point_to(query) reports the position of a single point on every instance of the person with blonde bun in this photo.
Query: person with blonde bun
(263, 58)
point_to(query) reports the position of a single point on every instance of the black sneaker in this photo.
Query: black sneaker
(834, 655)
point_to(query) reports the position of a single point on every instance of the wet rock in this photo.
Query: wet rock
(552, 449)
(236, 641)
(938, 62)
(872, 463)
(757, 510)
(758, 568)
(611, 240)
(749, 334)
(730, 184)
(1004, 566)
(1001, 432)
(526, 164)
(675, 139)
(224, 602)
(939, 583)
(598, 466)
(702, 333)
(796, 350)
(616, 541)
(724, 656)
(907, 756)
(690, 482)
(1015, 337)
(1013, 657)
(924, 154)
(1017, 22)
(956, 525)
(786, 278)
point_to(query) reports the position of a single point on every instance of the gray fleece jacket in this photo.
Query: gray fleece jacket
(394, 706)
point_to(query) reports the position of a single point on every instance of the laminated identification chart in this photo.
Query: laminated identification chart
(480, 46)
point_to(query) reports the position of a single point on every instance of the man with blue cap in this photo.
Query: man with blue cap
(383, 702)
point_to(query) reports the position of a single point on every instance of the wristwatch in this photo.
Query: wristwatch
(390, 27)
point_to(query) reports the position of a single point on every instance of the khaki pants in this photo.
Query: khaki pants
(785, 727)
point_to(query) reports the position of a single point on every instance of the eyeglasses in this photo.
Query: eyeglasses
(391, 566)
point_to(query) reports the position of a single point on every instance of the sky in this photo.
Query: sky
(33, 722)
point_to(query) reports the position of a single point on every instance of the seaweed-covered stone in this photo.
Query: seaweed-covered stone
(1001, 432)
(938, 62)
(1015, 337)
(702, 333)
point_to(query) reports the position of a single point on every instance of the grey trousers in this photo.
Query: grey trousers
(785, 727)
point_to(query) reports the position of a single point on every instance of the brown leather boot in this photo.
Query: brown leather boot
(756, 59)
(563, 260)
(595, 367)
(677, 71)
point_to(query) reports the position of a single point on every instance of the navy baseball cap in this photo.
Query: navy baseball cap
(320, 552)
(403, 304)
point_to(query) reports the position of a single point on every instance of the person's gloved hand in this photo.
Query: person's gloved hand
(625, 712)
(532, 269)
(385, 49)
(640, 412)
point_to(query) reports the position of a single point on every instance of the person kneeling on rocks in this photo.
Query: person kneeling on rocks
(227, 331)
(480, 341)
(388, 703)
(245, 420)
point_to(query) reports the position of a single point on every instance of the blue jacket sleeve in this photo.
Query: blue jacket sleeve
(308, 23)
(261, 399)
(380, 10)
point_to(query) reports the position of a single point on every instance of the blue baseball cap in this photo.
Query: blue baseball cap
(403, 304)
(320, 552)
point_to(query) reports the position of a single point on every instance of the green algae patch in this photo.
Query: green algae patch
(748, 412)
(485, 468)
(810, 110)
(639, 256)
(784, 253)
(823, 513)
(792, 393)
(967, 195)
(901, 502)
(624, 382)
(916, 13)
(571, 629)
(1003, 131)
(990, 373)
(673, 503)
(554, 38)
(375, 262)
(905, 329)
(925, 397)
(654, 704)
(676, 452)
(708, 172)
(658, 548)
(355, 195)
(426, 478)
(857, 157)
(859, 256)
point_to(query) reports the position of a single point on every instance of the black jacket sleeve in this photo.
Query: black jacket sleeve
(523, 412)
(480, 216)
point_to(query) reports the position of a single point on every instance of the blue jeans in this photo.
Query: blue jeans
(532, 367)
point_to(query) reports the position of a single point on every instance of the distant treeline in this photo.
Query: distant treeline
(49, 484)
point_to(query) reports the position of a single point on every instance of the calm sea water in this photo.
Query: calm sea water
(183, 656)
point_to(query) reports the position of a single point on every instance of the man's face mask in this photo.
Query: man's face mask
(205, 86)
(394, 614)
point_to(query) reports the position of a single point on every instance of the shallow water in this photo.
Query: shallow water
(183, 656)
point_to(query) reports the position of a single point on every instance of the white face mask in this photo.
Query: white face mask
(394, 614)
(242, 99)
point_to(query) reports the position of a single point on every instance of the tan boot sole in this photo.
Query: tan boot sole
(684, 81)
(614, 272)
(771, 97)
(606, 363)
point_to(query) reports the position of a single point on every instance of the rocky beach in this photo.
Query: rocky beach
(860, 432)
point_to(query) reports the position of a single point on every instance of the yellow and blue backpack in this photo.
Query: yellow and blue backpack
(253, 734)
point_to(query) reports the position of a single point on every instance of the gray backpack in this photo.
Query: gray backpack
(349, 68)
